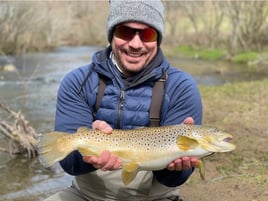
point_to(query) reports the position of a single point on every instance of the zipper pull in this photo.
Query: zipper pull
(120, 106)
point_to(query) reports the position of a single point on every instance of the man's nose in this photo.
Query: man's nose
(136, 41)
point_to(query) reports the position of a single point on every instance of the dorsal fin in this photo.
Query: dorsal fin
(83, 129)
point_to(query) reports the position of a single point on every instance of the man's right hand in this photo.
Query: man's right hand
(107, 160)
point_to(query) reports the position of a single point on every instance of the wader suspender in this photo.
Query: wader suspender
(157, 99)
(156, 103)
(102, 85)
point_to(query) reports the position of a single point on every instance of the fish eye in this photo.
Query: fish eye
(214, 130)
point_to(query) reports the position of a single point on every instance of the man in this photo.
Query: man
(130, 66)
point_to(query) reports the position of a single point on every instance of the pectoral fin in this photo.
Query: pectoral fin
(185, 143)
(129, 172)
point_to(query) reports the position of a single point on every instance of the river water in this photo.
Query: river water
(33, 91)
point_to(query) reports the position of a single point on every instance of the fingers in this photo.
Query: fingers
(102, 126)
(183, 163)
(189, 162)
(109, 161)
(92, 160)
(194, 161)
(112, 163)
(106, 161)
(189, 120)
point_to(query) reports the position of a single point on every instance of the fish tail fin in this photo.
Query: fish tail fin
(201, 167)
(129, 172)
(51, 148)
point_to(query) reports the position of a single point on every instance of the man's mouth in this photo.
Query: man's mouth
(134, 54)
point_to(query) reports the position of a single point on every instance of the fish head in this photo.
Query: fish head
(214, 140)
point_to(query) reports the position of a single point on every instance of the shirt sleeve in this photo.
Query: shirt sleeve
(73, 111)
(184, 101)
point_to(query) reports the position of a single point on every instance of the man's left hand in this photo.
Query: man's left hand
(185, 162)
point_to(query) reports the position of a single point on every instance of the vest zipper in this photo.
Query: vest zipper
(120, 107)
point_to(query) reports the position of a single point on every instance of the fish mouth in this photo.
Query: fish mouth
(228, 139)
(225, 137)
(224, 142)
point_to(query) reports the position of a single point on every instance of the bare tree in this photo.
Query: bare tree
(183, 10)
(205, 18)
(212, 23)
(29, 26)
(248, 20)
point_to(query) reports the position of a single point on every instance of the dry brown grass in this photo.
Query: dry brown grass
(241, 109)
(20, 136)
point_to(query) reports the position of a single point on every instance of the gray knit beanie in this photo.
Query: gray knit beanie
(150, 12)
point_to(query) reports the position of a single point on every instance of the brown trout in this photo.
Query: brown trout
(150, 148)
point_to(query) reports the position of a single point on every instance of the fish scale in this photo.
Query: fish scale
(150, 149)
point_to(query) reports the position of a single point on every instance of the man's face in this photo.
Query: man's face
(132, 54)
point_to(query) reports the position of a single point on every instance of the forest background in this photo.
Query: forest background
(233, 30)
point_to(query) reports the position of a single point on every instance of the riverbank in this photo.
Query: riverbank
(241, 109)
(250, 58)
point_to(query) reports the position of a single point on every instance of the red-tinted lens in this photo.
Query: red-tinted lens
(127, 33)
(148, 35)
(124, 32)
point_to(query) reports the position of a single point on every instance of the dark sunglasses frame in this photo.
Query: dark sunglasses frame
(128, 33)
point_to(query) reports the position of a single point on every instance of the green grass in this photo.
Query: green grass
(201, 53)
(245, 57)
(211, 54)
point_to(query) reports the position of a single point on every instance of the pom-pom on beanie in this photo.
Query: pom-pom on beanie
(150, 12)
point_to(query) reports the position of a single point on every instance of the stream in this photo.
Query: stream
(32, 90)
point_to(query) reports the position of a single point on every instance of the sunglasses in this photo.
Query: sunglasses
(128, 33)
